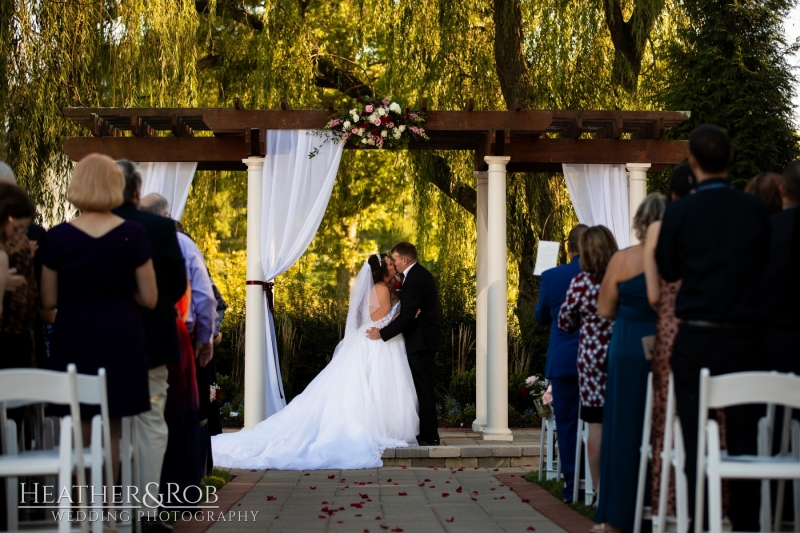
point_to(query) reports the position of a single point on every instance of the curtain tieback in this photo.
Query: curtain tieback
(268, 294)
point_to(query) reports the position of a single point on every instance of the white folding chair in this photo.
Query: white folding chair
(731, 390)
(645, 456)
(766, 432)
(673, 457)
(92, 390)
(548, 442)
(582, 446)
(31, 386)
(129, 470)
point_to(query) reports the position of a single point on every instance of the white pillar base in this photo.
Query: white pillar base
(492, 434)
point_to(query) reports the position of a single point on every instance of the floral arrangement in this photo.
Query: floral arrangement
(542, 395)
(381, 123)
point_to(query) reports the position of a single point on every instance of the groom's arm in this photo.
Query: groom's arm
(411, 301)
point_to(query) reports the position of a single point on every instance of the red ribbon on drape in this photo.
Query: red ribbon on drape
(268, 294)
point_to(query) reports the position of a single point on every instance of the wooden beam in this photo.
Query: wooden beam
(596, 151)
(214, 149)
(423, 105)
(284, 103)
(140, 128)
(180, 128)
(101, 128)
(238, 105)
(517, 105)
(330, 106)
(470, 105)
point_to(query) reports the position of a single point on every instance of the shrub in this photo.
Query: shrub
(462, 387)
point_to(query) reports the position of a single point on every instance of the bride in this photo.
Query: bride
(361, 403)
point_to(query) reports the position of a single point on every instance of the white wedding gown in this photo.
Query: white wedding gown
(361, 403)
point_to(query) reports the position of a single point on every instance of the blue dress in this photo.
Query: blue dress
(98, 322)
(623, 413)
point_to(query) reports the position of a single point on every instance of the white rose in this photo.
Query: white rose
(401, 128)
(394, 106)
(346, 125)
(360, 132)
(384, 134)
(381, 111)
(396, 134)
(354, 114)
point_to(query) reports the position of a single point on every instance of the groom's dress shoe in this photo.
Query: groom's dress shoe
(428, 442)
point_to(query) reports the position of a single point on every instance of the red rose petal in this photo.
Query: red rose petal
(502, 485)
(501, 498)
(322, 516)
(404, 467)
(447, 481)
(377, 518)
(492, 488)
(359, 515)
(271, 498)
(254, 470)
(238, 505)
(459, 489)
(432, 487)
(396, 483)
(512, 475)
(389, 480)
(306, 474)
(331, 476)
(430, 467)
(476, 468)
(402, 494)
(365, 496)
(460, 468)
(384, 527)
(421, 485)
(474, 499)
(531, 528)
(496, 469)
(325, 503)
(276, 517)
(445, 495)
(398, 529)
(341, 508)
(312, 487)
(525, 500)
(340, 522)
(342, 480)
(450, 519)
(366, 530)
(427, 480)
(356, 505)
(475, 492)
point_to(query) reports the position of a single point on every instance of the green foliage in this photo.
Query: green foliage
(520, 400)
(218, 478)
(556, 488)
(728, 67)
(462, 388)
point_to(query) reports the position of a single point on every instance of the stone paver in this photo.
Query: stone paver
(390, 499)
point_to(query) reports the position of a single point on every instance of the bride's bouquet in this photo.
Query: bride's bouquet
(373, 122)
(542, 395)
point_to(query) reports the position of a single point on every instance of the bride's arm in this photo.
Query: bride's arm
(384, 302)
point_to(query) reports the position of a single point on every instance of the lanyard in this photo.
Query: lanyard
(710, 186)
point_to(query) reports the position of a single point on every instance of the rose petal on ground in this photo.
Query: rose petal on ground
(459, 489)
(404, 467)
(398, 529)
(496, 469)
(359, 515)
(475, 492)
(460, 468)
(257, 471)
(389, 480)
(445, 495)
(450, 519)
(271, 498)
(356, 505)
(276, 517)
(340, 521)
(396, 483)
(331, 476)
(325, 503)
(525, 500)
(377, 518)
(306, 474)
(402, 494)
(421, 485)
(432, 487)
(501, 498)
(312, 487)
(427, 480)
(474, 499)
(322, 516)
(531, 528)
(384, 527)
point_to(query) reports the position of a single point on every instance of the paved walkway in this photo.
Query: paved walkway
(385, 499)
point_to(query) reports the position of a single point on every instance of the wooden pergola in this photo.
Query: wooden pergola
(518, 140)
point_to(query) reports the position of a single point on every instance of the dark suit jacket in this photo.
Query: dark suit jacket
(159, 323)
(424, 332)
(39, 234)
(782, 335)
(562, 351)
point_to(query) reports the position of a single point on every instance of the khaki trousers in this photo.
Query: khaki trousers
(152, 433)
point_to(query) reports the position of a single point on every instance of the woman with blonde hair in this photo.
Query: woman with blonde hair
(97, 272)
(623, 298)
(579, 309)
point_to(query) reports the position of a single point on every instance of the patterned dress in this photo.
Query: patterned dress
(580, 309)
(19, 309)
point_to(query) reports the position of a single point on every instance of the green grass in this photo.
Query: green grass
(218, 478)
(556, 488)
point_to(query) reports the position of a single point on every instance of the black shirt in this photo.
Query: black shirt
(717, 241)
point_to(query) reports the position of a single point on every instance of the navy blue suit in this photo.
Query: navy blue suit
(562, 364)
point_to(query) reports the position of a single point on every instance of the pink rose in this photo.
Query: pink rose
(547, 398)
(354, 131)
(385, 101)
(377, 122)
(346, 136)
(390, 125)
(369, 108)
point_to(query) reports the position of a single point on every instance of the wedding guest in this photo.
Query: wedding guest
(36, 236)
(161, 332)
(623, 298)
(200, 318)
(767, 187)
(717, 242)
(561, 367)
(782, 334)
(579, 309)
(98, 272)
(661, 296)
(19, 294)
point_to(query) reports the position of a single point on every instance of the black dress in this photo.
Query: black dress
(98, 322)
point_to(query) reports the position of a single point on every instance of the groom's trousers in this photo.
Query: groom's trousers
(421, 364)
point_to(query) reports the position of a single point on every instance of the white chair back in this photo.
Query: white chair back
(92, 390)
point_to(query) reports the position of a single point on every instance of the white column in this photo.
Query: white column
(255, 387)
(637, 191)
(481, 326)
(497, 303)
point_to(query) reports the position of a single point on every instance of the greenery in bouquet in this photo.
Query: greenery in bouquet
(374, 122)
(542, 394)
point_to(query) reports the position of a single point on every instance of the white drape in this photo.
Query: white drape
(170, 180)
(600, 196)
(295, 195)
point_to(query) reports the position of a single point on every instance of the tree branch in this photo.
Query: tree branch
(509, 56)
(329, 76)
(236, 12)
(630, 37)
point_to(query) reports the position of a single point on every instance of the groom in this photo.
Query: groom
(423, 334)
